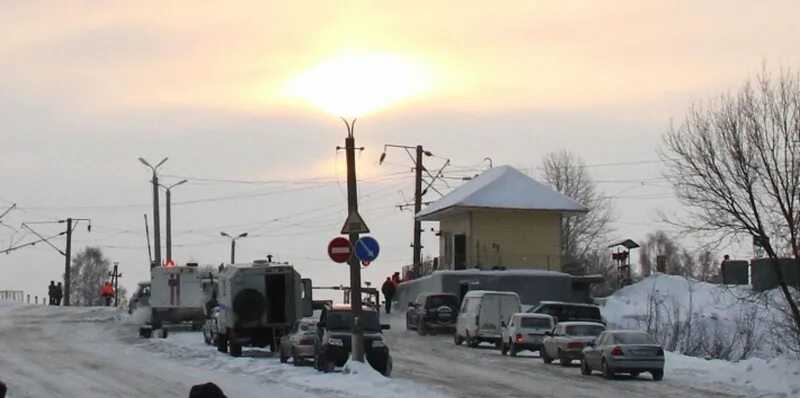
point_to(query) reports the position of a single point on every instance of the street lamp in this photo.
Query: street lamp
(156, 222)
(169, 215)
(233, 243)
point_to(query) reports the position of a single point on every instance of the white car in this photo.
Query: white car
(482, 313)
(525, 331)
(567, 340)
(298, 343)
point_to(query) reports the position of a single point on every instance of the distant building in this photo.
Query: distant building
(501, 219)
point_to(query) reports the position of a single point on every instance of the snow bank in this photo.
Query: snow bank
(723, 313)
(777, 377)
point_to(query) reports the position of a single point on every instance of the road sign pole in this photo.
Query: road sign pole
(355, 266)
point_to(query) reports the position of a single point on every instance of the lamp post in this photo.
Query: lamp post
(355, 268)
(156, 220)
(169, 216)
(233, 243)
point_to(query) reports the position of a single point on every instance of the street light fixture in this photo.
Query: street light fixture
(169, 215)
(233, 243)
(156, 220)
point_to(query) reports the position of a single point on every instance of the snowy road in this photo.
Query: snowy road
(483, 372)
(87, 352)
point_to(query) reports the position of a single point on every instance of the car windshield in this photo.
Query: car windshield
(584, 330)
(340, 320)
(438, 301)
(533, 323)
(633, 338)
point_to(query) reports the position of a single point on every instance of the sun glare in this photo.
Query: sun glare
(355, 84)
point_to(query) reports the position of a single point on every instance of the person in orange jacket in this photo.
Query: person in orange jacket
(107, 292)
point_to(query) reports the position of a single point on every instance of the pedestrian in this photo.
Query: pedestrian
(3, 389)
(107, 292)
(51, 293)
(208, 390)
(59, 293)
(388, 291)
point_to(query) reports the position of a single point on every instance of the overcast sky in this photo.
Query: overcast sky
(88, 87)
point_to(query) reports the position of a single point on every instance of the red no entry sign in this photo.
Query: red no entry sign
(340, 250)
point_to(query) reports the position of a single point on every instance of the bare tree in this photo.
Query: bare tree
(735, 163)
(657, 244)
(89, 270)
(566, 173)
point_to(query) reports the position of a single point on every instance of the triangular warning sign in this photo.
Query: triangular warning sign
(355, 224)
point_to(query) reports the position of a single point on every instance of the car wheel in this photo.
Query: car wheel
(608, 373)
(388, 370)
(545, 358)
(562, 359)
(657, 374)
(457, 340)
(222, 344)
(162, 333)
(328, 366)
(585, 370)
(283, 358)
(513, 351)
(472, 343)
(235, 349)
(503, 349)
(295, 358)
(145, 333)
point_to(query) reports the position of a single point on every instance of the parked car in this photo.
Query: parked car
(432, 312)
(333, 343)
(298, 343)
(211, 327)
(525, 332)
(623, 351)
(567, 340)
(482, 314)
(566, 312)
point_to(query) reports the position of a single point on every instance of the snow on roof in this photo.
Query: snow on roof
(502, 187)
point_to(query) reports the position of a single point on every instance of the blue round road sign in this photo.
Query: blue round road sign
(367, 249)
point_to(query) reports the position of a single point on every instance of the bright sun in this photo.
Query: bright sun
(355, 84)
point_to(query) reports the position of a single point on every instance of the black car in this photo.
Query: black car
(333, 344)
(567, 312)
(432, 312)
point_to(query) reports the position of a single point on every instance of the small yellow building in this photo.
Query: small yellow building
(502, 218)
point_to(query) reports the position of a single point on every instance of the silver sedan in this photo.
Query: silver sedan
(624, 351)
(298, 344)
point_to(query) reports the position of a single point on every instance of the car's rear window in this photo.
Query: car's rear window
(534, 323)
(340, 321)
(633, 338)
(584, 330)
(438, 301)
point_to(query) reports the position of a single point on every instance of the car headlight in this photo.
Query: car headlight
(378, 344)
(336, 342)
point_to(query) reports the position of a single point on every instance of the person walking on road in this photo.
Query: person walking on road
(388, 291)
(51, 293)
(59, 294)
(107, 292)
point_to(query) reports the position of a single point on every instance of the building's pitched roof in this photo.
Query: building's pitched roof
(505, 188)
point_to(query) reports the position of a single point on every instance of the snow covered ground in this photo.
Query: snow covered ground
(721, 309)
(95, 352)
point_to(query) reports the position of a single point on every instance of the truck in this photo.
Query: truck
(177, 297)
(257, 303)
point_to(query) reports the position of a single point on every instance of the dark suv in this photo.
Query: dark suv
(432, 312)
(566, 312)
(333, 344)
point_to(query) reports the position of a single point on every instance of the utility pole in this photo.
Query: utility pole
(417, 264)
(147, 236)
(68, 258)
(115, 275)
(419, 192)
(156, 219)
(355, 267)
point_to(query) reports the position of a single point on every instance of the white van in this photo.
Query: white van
(482, 315)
